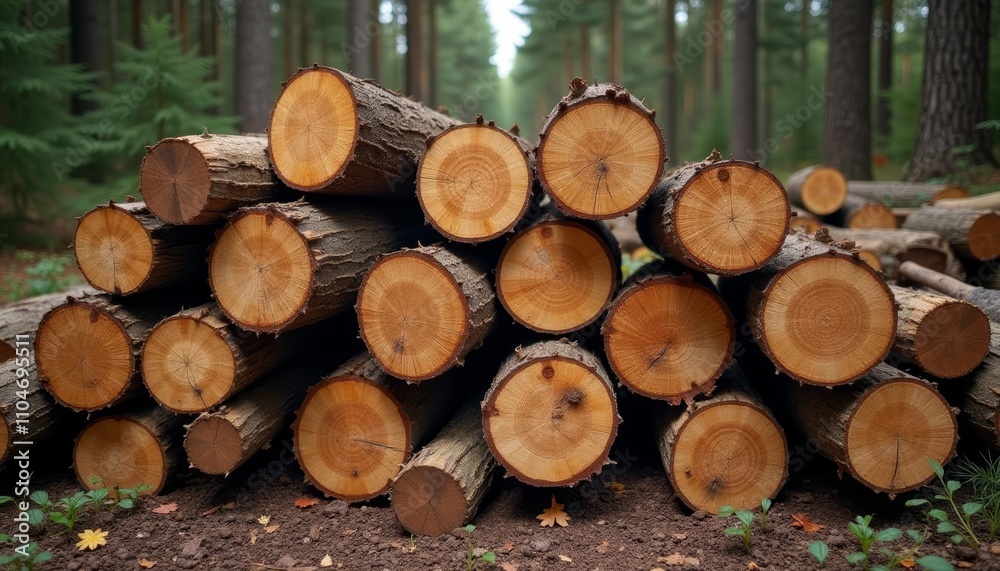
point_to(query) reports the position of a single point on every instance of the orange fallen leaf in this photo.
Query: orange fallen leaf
(508, 566)
(507, 547)
(752, 566)
(603, 547)
(211, 511)
(303, 503)
(165, 508)
(272, 528)
(554, 514)
(908, 563)
(803, 522)
(147, 564)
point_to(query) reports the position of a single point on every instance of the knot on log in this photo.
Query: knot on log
(577, 86)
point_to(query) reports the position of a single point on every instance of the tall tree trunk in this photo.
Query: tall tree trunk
(182, 25)
(358, 55)
(767, 78)
(585, 51)
(883, 112)
(716, 45)
(85, 43)
(670, 86)
(743, 138)
(376, 43)
(804, 34)
(615, 42)
(288, 37)
(415, 49)
(253, 65)
(304, 35)
(955, 89)
(847, 136)
(112, 39)
(432, 48)
(137, 15)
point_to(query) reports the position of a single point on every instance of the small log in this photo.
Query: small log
(600, 152)
(805, 222)
(881, 429)
(126, 450)
(565, 395)
(928, 249)
(987, 300)
(199, 179)
(331, 132)
(861, 213)
(359, 426)
(422, 310)
(124, 249)
(558, 275)
(29, 415)
(819, 189)
(668, 337)
(989, 201)
(279, 266)
(475, 181)
(723, 450)
(441, 487)
(718, 217)
(22, 318)
(898, 194)
(972, 233)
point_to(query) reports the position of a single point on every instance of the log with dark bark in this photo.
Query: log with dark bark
(441, 487)
(928, 249)
(819, 189)
(22, 318)
(600, 152)
(862, 213)
(987, 300)
(668, 337)
(717, 216)
(942, 336)
(422, 310)
(475, 181)
(25, 406)
(275, 267)
(881, 429)
(124, 249)
(357, 427)
(895, 194)
(723, 450)
(331, 132)
(130, 449)
(564, 393)
(199, 179)
(972, 233)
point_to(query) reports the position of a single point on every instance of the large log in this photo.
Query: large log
(897, 194)
(558, 275)
(668, 337)
(331, 132)
(989, 201)
(716, 216)
(357, 427)
(124, 249)
(880, 429)
(422, 310)
(973, 233)
(28, 413)
(863, 213)
(819, 189)
(942, 336)
(126, 450)
(199, 179)
(928, 249)
(564, 395)
(723, 450)
(475, 181)
(22, 318)
(441, 487)
(987, 300)
(275, 267)
(600, 152)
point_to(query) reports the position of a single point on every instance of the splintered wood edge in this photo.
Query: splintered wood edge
(157, 203)
(80, 264)
(204, 453)
(453, 357)
(583, 474)
(616, 270)
(527, 195)
(85, 482)
(671, 473)
(704, 387)
(410, 487)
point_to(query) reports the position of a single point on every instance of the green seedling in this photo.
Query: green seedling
(765, 507)
(819, 551)
(862, 530)
(18, 561)
(984, 479)
(128, 498)
(963, 531)
(744, 530)
(73, 506)
(470, 559)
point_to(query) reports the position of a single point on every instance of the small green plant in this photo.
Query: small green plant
(984, 479)
(862, 530)
(765, 507)
(73, 510)
(19, 561)
(744, 530)
(45, 274)
(819, 551)
(127, 498)
(963, 531)
(470, 559)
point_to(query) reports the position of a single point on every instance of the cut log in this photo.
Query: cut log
(973, 233)
(550, 416)
(820, 315)
(723, 450)
(128, 450)
(199, 179)
(980, 398)
(881, 429)
(819, 189)
(88, 349)
(897, 194)
(987, 300)
(124, 249)
(718, 217)
(357, 427)
(942, 336)
(667, 337)
(928, 249)
(421, 311)
(441, 487)
(558, 275)
(277, 266)
(475, 181)
(29, 415)
(863, 213)
(600, 152)
(989, 201)
(331, 132)
(22, 318)
(805, 222)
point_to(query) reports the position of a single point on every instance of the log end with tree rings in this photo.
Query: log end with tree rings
(984, 237)
(952, 339)
(872, 215)
(213, 445)
(121, 453)
(823, 190)
(175, 181)
(186, 365)
(113, 249)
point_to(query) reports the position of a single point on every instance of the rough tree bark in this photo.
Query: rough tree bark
(85, 44)
(743, 137)
(883, 112)
(359, 61)
(253, 65)
(847, 143)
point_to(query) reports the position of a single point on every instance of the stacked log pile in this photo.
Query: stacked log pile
(315, 236)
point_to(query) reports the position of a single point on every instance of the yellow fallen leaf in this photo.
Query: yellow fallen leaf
(264, 519)
(91, 539)
(752, 566)
(146, 563)
(272, 528)
(566, 559)
(326, 561)
(908, 563)
(554, 514)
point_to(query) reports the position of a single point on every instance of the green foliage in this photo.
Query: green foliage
(984, 479)
(765, 507)
(467, 82)
(19, 562)
(960, 529)
(744, 530)
(46, 274)
(867, 537)
(470, 559)
(819, 551)
(72, 510)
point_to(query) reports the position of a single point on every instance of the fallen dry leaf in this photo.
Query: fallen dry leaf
(253, 538)
(908, 563)
(272, 528)
(753, 566)
(803, 522)
(211, 511)
(508, 566)
(675, 559)
(165, 508)
(507, 547)
(147, 564)
(554, 514)
(616, 487)
(303, 503)
(264, 519)
(326, 561)
(565, 558)
(964, 565)
(603, 547)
